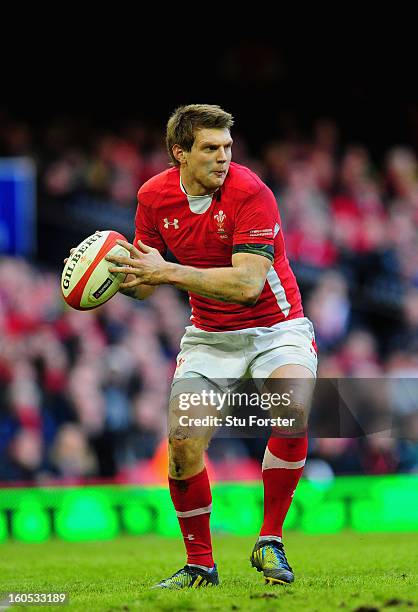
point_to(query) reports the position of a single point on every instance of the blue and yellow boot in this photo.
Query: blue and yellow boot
(268, 556)
(190, 577)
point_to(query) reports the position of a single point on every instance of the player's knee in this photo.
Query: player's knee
(185, 454)
(300, 412)
(296, 414)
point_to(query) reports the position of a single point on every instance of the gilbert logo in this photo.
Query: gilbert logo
(175, 223)
(220, 221)
(190, 536)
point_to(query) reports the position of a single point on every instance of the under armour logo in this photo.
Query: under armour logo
(175, 222)
(190, 536)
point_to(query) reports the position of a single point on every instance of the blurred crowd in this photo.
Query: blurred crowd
(84, 395)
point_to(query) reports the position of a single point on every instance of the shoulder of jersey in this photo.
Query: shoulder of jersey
(156, 185)
(245, 180)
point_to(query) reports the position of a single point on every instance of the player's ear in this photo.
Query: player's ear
(179, 153)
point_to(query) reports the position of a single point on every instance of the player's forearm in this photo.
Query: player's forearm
(235, 285)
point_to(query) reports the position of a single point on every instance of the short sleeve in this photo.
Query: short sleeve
(145, 229)
(257, 219)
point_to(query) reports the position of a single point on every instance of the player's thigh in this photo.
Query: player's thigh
(215, 356)
(287, 344)
(285, 365)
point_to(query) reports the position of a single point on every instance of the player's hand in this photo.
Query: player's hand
(73, 249)
(146, 264)
(67, 258)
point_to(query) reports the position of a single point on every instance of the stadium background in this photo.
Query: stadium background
(83, 396)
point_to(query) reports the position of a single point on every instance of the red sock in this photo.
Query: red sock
(192, 500)
(283, 463)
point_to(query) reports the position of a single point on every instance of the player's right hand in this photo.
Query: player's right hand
(67, 258)
(73, 249)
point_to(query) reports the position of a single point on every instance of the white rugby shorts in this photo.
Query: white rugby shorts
(254, 352)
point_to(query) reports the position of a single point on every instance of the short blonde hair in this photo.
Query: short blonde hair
(185, 120)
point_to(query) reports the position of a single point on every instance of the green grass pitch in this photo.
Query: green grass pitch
(348, 571)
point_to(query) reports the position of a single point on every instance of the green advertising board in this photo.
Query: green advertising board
(362, 503)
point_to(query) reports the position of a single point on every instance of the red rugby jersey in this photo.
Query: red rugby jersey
(242, 211)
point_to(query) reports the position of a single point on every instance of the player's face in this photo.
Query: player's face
(207, 164)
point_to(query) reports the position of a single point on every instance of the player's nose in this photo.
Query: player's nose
(222, 157)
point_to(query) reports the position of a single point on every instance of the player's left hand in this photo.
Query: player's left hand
(145, 263)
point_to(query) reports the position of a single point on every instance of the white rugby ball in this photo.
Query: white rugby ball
(86, 281)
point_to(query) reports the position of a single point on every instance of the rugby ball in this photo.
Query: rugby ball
(86, 282)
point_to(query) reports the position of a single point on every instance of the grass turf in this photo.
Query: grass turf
(348, 571)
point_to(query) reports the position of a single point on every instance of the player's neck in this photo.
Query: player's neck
(193, 187)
